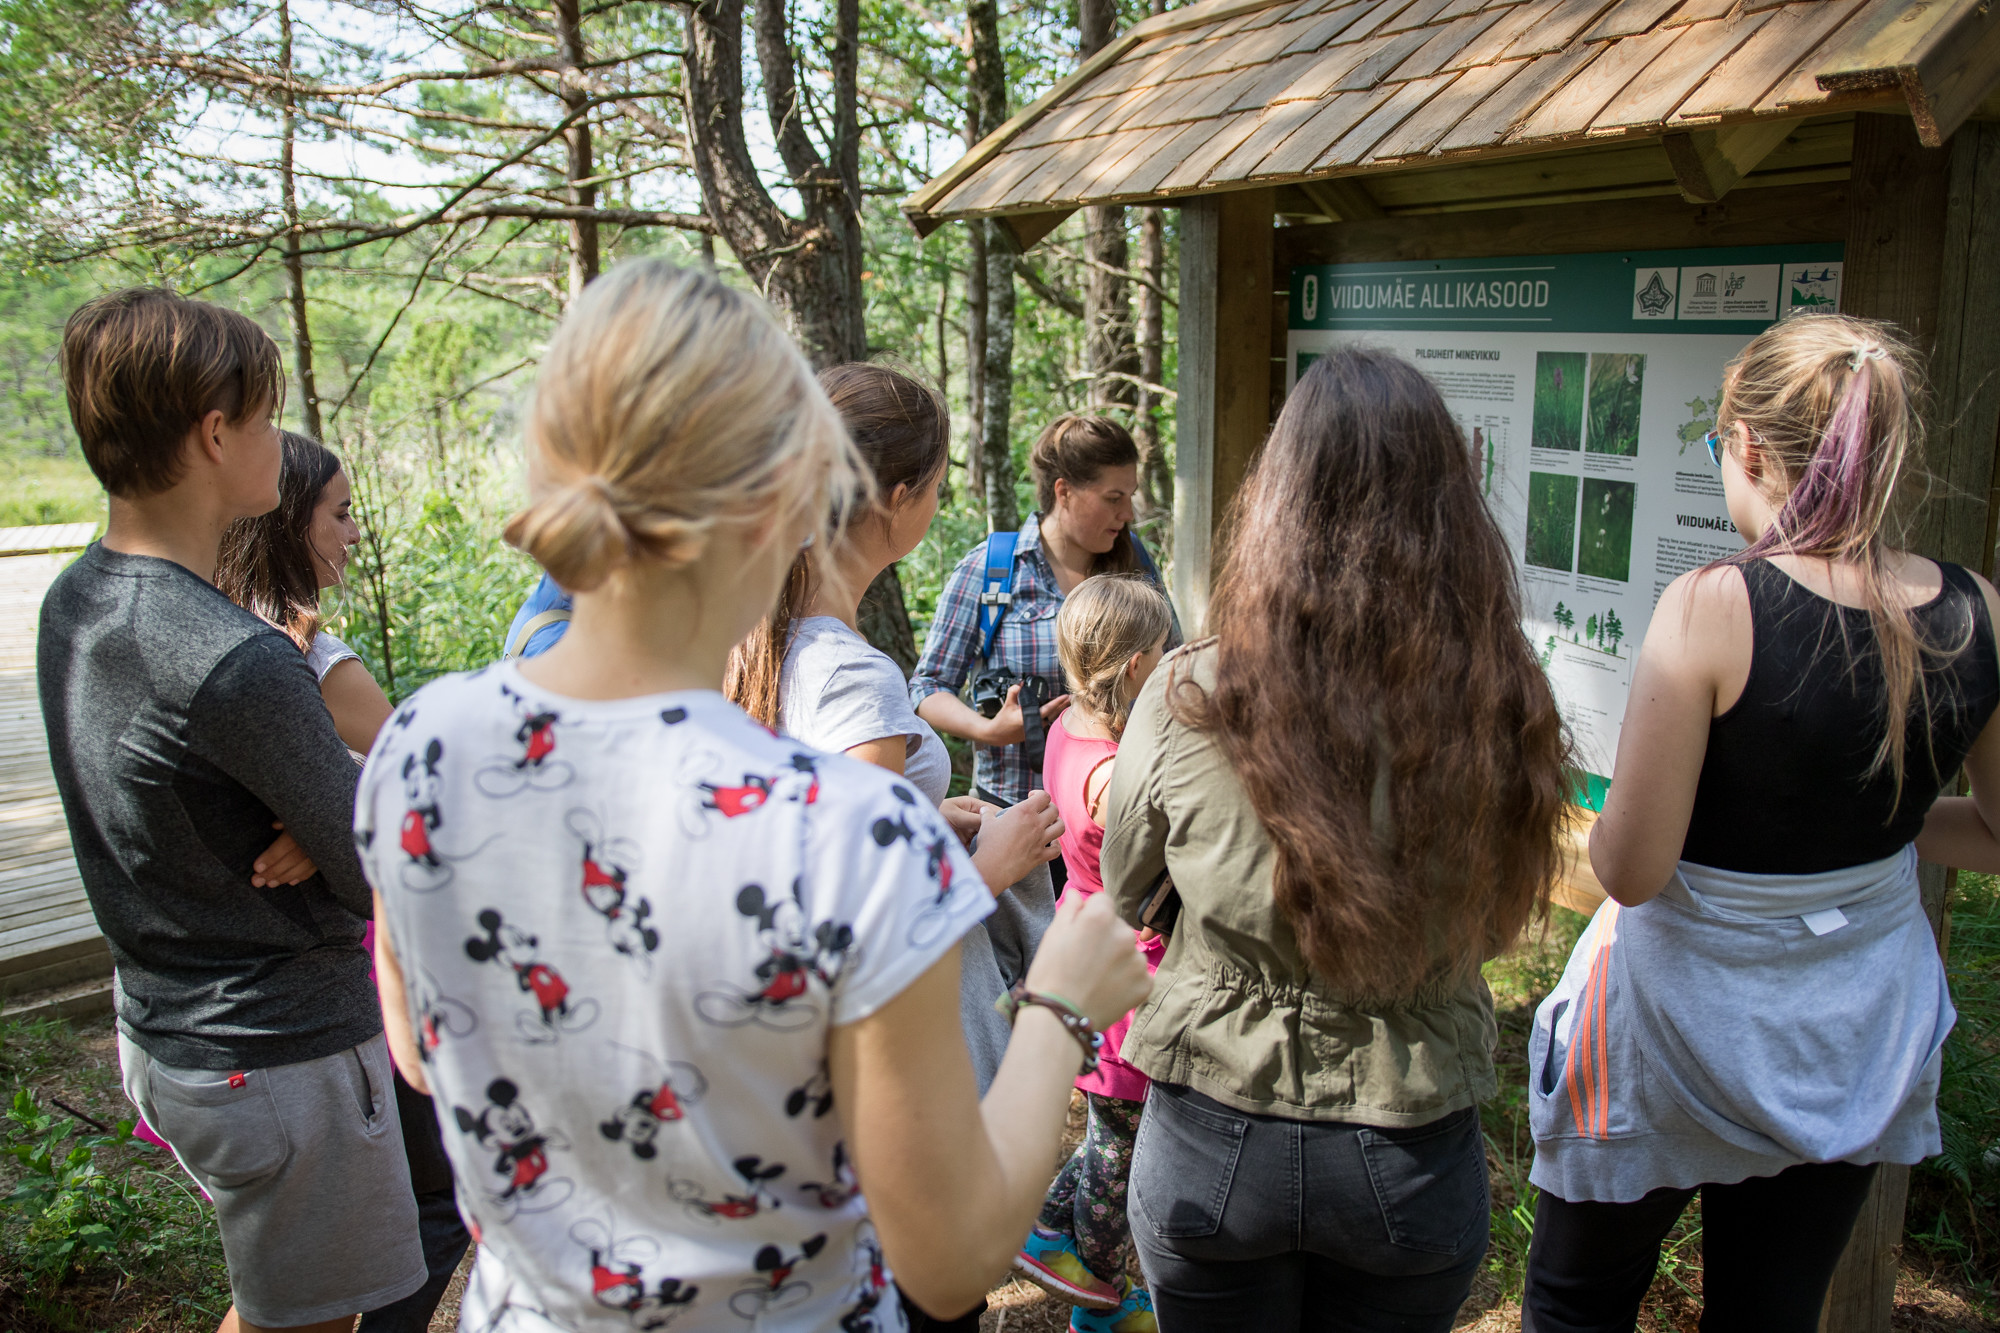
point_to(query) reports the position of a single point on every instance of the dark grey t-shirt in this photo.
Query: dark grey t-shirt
(180, 726)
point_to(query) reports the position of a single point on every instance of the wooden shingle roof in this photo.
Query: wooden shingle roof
(1230, 93)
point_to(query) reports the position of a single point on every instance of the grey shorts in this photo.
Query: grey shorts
(305, 1164)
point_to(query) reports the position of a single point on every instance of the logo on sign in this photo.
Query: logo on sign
(1653, 293)
(1309, 297)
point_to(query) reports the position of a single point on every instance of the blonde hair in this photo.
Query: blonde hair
(1107, 619)
(1830, 402)
(668, 404)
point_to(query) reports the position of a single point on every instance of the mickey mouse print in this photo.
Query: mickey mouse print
(624, 965)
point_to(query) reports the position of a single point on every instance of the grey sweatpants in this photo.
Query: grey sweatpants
(305, 1164)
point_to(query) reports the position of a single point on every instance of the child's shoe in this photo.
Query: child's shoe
(1050, 1261)
(1133, 1315)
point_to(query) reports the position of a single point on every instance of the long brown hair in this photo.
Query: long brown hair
(1075, 448)
(265, 565)
(1374, 692)
(903, 434)
(1830, 402)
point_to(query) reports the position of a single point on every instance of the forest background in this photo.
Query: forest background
(408, 194)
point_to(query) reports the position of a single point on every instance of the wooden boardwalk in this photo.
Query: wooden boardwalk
(48, 936)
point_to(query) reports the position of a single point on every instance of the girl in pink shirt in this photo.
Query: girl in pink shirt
(1111, 633)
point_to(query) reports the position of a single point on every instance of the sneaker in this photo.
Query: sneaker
(1133, 1315)
(1050, 1261)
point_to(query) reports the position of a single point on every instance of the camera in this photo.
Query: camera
(989, 691)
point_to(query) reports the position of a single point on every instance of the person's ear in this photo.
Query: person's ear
(898, 497)
(1132, 666)
(1062, 490)
(207, 434)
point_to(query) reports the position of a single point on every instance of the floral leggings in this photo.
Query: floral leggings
(1087, 1201)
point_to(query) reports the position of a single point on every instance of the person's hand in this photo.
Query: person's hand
(283, 862)
(1016, 840)
(1087, 958)
(966, 815)
(1007, 727)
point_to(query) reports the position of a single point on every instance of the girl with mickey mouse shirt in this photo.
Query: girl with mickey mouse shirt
(689, 1028)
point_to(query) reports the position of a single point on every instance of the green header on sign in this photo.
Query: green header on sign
(1725, 290)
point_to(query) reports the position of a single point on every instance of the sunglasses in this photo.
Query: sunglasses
(1714, 442)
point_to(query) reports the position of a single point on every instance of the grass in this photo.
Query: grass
(1617, 381)
(1551, 520)
(1558, 401)
(36, 489)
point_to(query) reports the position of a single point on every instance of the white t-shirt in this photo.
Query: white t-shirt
(626, 928)
(838, 691)
(327, 653)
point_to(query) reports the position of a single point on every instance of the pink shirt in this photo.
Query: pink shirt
(1066, 770)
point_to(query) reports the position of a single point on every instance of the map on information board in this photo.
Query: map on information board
(1584, 385)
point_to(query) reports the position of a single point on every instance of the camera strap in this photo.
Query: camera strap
(996, 593)
(1034, 731)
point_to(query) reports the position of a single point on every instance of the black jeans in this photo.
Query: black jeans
(1247, 1221)
(439, 1226)
(1768, 1250)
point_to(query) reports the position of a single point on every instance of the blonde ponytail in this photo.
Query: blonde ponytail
(669, 403)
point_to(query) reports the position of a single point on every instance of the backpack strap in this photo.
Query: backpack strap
(555, 615)
(996, 591)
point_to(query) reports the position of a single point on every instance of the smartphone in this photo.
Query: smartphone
(1162, 910)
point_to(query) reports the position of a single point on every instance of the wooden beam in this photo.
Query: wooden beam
(1029, 228)
(1771, 216)
(1895, 226)
(1343, 199)
(1944, 57)
(1708, 163)
(1224, 409)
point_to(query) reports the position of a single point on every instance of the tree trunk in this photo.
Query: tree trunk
(996, 453)
(809, 269)
(988, 87)
(885, 620)
(1107, 307)
(295, 269)
(975, 348)
(583, 253)
(1156, 479)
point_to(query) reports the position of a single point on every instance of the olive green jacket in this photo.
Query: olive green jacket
(1235, 1012)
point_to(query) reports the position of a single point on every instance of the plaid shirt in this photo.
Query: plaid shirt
(1024, 646)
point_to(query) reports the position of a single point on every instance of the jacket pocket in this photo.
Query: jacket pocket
(224, 1126)
(1430, 1181)
(1184, 1164)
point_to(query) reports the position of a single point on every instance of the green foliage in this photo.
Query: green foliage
(1558, 401)
(35, 490)
(1551, 520)
(1617, 382)
(1955, 1196)
(77, 1215)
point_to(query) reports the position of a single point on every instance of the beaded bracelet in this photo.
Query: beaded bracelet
(1073, 1020)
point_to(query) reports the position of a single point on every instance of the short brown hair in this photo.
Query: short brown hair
(143, 365)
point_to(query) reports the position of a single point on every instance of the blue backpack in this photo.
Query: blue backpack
(541, 621)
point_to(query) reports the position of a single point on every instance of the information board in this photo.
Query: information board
(1584, 384)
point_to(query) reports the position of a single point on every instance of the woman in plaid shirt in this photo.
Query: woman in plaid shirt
(1086, 471)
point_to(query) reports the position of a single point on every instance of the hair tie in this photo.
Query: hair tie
(1867, 352)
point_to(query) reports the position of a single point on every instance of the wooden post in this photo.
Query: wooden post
(1921, 251)
(1225, 353)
